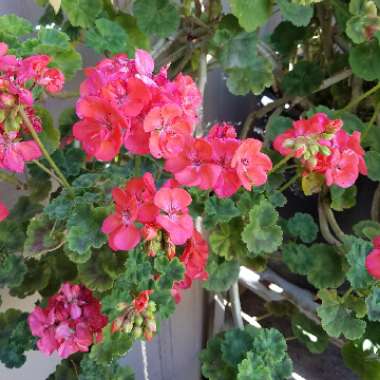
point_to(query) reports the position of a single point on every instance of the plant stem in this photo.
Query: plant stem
(356, 101)
(47, 171)
(371, 122)
(36, 138)
(323, 224)
(289, 183)
(375, 207)
(332, 221)
(65, 94)
(290, 338)
(264, 316)
(137, 166)
(236, 306)
(282, 162)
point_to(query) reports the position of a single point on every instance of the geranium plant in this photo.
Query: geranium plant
(130, 197)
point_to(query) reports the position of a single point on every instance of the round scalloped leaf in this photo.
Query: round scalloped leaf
(373, 304)
(372, 160)
(364, 60)
(367, 229)
(82, 12)
(297, 257)
(221, 274)
(303, 226)
(342, 199)
(297, 14)
(251, 13)
(158, 17)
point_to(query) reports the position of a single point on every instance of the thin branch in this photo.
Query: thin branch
(375, 207)
(202, 80)
(323, 224)
(47, 171)
(332, 221)
(236, 306)
(29, 125)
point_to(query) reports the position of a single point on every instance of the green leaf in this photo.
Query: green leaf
(169, 270)
(262, 235)
(299, 15)
(12, 270)
(363, 60)
(286, 37)
(357, 26)
(367, 229)
(236, 344)
(246, 69)
(309, 333)
(12, 236)
(372, 160)
(275, 126)
(164, 301)
(362, 362)
(342, 199)
(112, 347)
(67, 118)
(91, 370)
(218, 211)
(221, 274)
(225, 241)
(336, 318)
(85, 228)
(373, 304)
(108, 36)
(15, 338)
(39, 183)
(327, 267)
(297, 257)
(14, 26)
(100, 272)
(49, 136)
(158, 17)
(213, 367)
(356, 255)
(251, 13)
(304, 79)
(36, 278)
(82, 12)
(40, 236)
(303, 226)
(60, 208)
(70, 161)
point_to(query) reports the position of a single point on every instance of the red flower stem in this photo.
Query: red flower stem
(281, 163)
(34, 134)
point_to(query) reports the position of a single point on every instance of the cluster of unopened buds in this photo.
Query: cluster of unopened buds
(323, 147)
(71, 322)
(138, 318)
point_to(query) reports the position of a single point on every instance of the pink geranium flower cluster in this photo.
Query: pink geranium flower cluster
(17, 79)
(4, 212)
(322, 146)
(220, 162)
(123, 103)
(139, 202)
(70, 323)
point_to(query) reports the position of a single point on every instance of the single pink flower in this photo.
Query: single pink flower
(252, 166)
(100, 130)
(222, 131)
(372, 262)
(120, 227)
(14, 153)
(228, 182)
(52, 80)
(194, 166)
(169, 131)
(174, 217)
(143, 190)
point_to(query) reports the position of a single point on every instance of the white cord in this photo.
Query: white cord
(144, 355)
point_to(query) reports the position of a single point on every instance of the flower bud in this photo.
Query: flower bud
(138, 320)
(127, 327)
(137, 332)
(370, 9)
(121, 306)
(2, 116)
(314, 149)
(327, 136)
(288, 143)
(324, 150)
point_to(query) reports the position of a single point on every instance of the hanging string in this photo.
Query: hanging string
(144, 355)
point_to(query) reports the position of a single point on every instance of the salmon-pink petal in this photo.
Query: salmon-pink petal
(144, 62)
(4, 212)
(372, 263)
(125, 238)
(29, 150)
(180, 230)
